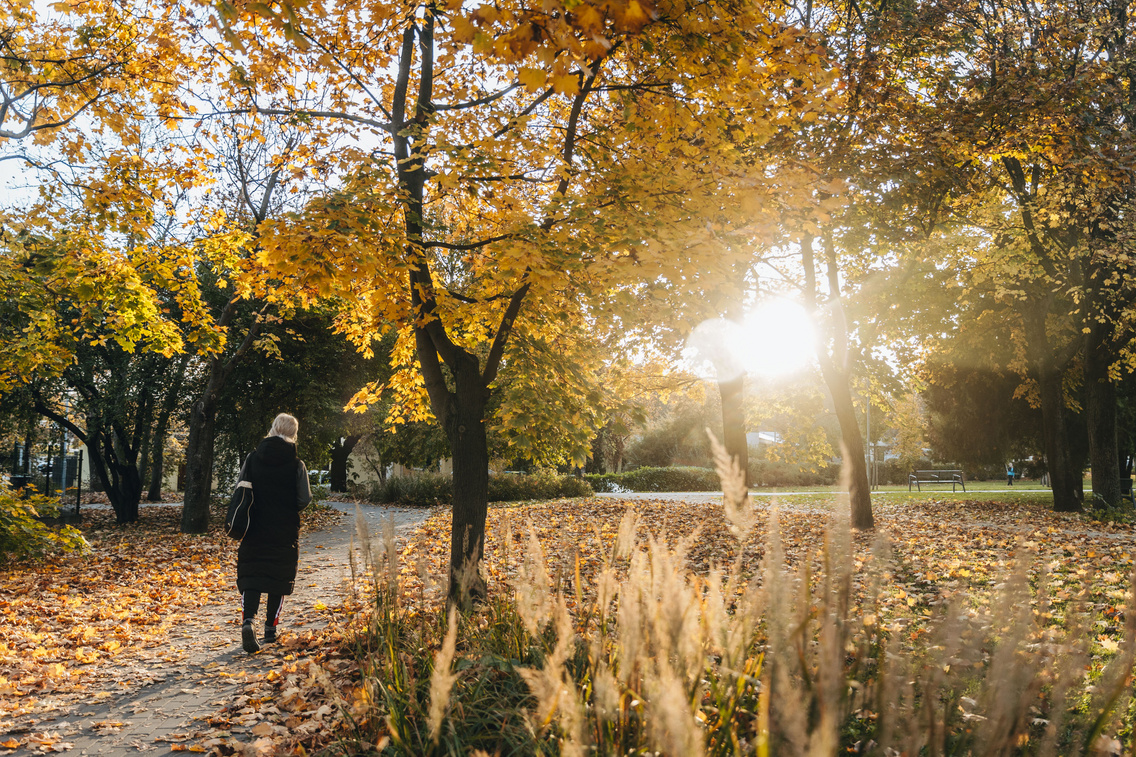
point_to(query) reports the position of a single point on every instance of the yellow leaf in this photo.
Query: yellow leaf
(532, 78)
(566, 84)
(463, 29)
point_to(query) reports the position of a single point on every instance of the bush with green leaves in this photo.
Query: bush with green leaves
(421, 490)
(513, 487)
(23, 536)
(673, 479)
(429, 489)
(776, 473)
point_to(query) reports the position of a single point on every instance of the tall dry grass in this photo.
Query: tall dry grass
(647, 658)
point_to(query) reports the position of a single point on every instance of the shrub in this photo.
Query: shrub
(512, 487)
(23, 536)
(675, 479)
(775, 473)
(895, 472)
(429, 489)
(421, 490)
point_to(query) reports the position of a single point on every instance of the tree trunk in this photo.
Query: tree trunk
(1048, 372)
(198, 468)
(834, 368)
(597, 462)
(157, 462)
(1067, 488)
(465, 428)
(130, 487)
(120, 480)
(1100, 408)
(145, 463)
(157, 458)
(340, 451)
(852, 445)
(733, 423)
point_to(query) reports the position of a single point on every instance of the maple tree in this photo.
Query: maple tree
(1030, 148)
(510, 168)
(112, 92)
(836, 166)
(56, 68)
(86, 309)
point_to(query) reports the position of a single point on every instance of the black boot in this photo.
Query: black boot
(269, 633)
(248, 637)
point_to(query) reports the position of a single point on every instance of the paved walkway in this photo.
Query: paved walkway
(206, 665)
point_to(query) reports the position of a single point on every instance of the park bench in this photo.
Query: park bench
(1126, 490)
(920, 477)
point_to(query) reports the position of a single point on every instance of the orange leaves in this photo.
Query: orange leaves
(76, 624)
(940, 550)
(584, 29)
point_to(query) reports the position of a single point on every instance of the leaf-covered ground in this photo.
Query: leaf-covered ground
(113, 648)
(150, 607)
(939, 549)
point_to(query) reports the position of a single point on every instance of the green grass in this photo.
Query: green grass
(823, 497)
(934, 489)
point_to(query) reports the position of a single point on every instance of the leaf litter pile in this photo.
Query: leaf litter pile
(79, 631)
(88, 627)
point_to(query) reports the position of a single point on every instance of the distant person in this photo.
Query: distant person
(1010, 474)
(270, 551)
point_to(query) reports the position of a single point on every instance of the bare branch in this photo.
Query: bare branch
(473, 300)
(497, 351)
(467, 246)
(480, 101)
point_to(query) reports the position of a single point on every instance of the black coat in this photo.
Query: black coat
(270, 551)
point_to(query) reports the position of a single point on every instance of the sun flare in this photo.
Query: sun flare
(775, 339)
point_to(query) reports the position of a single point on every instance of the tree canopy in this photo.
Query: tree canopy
(519, 207)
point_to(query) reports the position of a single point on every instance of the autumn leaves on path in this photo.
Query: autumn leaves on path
(136, 646)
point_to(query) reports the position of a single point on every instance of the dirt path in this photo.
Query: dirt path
(200, 673)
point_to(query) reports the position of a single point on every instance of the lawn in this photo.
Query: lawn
(927, 489)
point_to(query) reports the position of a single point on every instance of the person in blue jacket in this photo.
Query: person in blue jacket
(270, 551)
(1010, 474)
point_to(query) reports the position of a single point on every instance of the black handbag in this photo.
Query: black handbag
(240, 510)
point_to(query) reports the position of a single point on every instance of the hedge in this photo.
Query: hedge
(690, 479)
(674, 479)
(770, 473)
(429, 489)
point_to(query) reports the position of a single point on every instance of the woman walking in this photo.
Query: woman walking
(270, 550)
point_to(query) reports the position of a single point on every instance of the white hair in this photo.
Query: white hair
(286, 427)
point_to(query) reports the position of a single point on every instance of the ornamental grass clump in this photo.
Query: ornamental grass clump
(638, 656)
